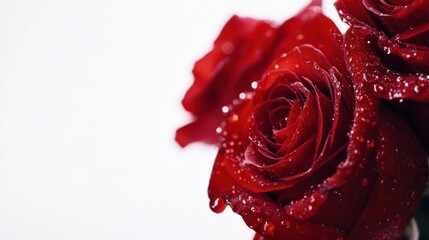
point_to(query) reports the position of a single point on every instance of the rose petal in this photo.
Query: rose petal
(223, 73)
(353, 12)
(273, 220)
(399, 17)
(379, 221)
(367, 67)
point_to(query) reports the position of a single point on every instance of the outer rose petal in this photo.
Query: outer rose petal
(399, 17)
(387, 48)
(369, 68)
(223, 73)
(393, 17)
(391, 45)
(241, 54)
(401, 171)
(417, 115)
(400, 161)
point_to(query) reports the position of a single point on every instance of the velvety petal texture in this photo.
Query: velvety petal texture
(391, 41)
(312, 155)
(316, 129)
(240, 55)
(346, 176)
(394, 37)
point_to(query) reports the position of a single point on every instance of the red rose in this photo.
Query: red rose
(309, 157)
(387, 47)
(241, 53)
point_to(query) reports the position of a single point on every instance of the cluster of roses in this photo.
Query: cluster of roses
(321, 135)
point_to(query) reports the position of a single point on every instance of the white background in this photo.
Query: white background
(89, 101)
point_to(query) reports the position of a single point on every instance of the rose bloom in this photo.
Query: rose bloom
(387, 47)
(240, 55)
(312, 155)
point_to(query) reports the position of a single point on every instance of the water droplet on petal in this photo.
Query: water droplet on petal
(242, 95)
(233, 118)
(255, 209)
(225, 109)
(359, 98)
(416, 89)
(268, 228)
(218, 130)
(254, 84)
(286, 223)
(378, 88)
(217, 205)
(370, 143)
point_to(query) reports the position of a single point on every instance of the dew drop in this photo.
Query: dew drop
(217, 205)
(255, 209)
(218, 130)
(378, 88)
(387, 50)
(233, 118)
(225, 109)
(359, 98)
(242, 95)
(254, 84)
(397, 95)
(360, 139)
(399, 79)
(416, 89)
(286, 223)
(370, 143)
(268, 228)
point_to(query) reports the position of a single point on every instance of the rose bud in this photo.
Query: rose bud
(309, 157)
(241, 53)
